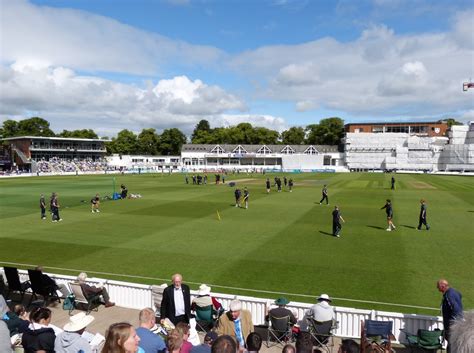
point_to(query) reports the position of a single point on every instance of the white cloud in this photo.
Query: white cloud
(41, 36)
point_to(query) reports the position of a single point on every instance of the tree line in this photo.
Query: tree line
(327, 132)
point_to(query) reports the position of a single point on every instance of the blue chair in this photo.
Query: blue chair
(376, 336)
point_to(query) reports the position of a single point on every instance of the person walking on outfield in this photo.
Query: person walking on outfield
(246, 197)
(285, 181)
(336, 221)
(95, 203)
(423, 216)
(237, 194)
(278, 181)
(43, 207)
(267, 184)
(290, 184)
(389, 211)
(393, 183)
(325, 195)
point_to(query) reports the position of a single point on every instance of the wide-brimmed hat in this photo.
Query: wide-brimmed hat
(235, 305)
(324, 297)
(281, 301)
(78, 322)
(204, 290)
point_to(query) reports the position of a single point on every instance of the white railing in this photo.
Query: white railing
(139, 296)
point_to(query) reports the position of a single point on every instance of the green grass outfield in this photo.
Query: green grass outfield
(282, 243)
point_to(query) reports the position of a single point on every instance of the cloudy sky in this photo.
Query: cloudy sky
(115, 64)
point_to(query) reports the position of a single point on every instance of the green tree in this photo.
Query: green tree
(171, 141)
(125, 143)
(201, 130)
(34, 127)
(148, 142)
(9, 128)
(329, 131)
(84, 133)
(450, 122)
(265, 136)
(293, 136)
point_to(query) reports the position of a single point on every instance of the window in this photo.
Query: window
(310, 150)
(377, 129)
(264, 150)
(287, 150)
(327, 160)
(239, 150)
(217, 149)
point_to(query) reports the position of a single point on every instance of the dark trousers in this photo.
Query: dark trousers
(55, 211)
(423, 221)
(43, 212)
(178, 319)
(325, 197)
(336, 228)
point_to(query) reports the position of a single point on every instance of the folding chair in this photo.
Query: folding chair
(376, 336)
(279, 331)
(427, 341)
(40, 288)
(321, 333)
(91, 303)
(205, 318)
(14, 284)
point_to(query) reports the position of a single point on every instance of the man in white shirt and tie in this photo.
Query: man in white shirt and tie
(176, 303)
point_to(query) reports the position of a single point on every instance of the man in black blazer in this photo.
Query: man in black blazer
(176, 303)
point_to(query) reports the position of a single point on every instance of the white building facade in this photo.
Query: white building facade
(143, 163)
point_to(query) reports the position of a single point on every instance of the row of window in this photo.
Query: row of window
(264, 150)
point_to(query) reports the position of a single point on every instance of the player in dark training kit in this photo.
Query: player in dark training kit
(237, 194)
(267, 184)
(389, 210)
(95, 203)
(336, 222)
(325, 195)
(423, 216)
(43, 207)
(393, 183)
(246, 197)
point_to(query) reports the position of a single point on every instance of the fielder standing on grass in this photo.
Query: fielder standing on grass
(423, 216)
(325, 195)
(336, 222)
(393, 183)
(389, 211)
(237, 194)
(95, 203)
(246, 197)
(43, 207)
(267, 183)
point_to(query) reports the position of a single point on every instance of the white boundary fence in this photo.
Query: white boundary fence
(139, 296)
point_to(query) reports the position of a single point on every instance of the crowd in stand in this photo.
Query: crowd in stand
(175, 332)
(57, 165)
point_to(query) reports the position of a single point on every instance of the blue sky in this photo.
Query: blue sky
(114, 64)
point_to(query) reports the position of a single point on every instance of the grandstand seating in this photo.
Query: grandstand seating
(56, 165)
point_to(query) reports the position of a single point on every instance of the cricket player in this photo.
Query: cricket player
(325, 195)
(389, 210)
(246, 198)
(336, 222)
(95, 203)
(237, 194)
(423, 216)
(43, 207)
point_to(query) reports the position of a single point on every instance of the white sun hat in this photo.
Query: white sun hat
(78, 322)
(204, 290)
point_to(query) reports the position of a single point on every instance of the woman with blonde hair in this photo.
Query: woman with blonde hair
(175, 341)
(121, 338)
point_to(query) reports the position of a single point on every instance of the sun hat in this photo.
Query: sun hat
(78, 322)
(235, 305)
(204, 290)
(281, 301)
(324, 297)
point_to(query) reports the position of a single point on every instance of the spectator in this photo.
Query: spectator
(17, 320)
(51, 284)
(5, 345)
(176, 303)
(349, 346)
(451, 307)
(462, 337)
(90, 291)
(183, 329)
(204, 299)
(39, 335)
(288, 348)
(150, 342)
(322, 311)
(254, 342)
(304, 344)
(224, 344)
(237, 322)
(206, 346)
(174, 342)
(71, 340)
(121, 338)
(280, 311)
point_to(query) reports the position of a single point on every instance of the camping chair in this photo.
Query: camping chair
(427, 341)
(279, 330)
(376, 336)
(91, 303)
(321, 333)
(39, 288)
(205, 318)
(14, 284)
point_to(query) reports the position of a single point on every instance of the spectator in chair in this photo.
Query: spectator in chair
(254, 342)
(176, 303)
(237, 322)
(349, 346)
(224, 344)
(71, 340)
(17, 320)
(121, 338)
(51, 284)
(149, 341)
(322, 311)
(204, 299)
(209, 339)
(5, 345)
(280, 311)
(39, 335)
(90, 291)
